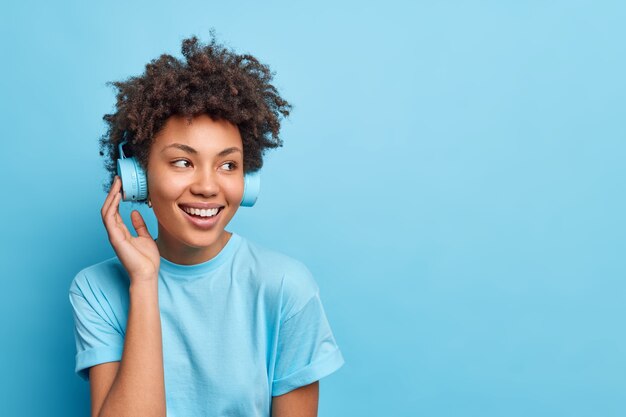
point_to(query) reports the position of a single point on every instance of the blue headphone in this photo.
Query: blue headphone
(135, 183)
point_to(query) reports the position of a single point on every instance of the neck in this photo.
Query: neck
(180, 253)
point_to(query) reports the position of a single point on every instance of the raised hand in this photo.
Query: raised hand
(140, 254)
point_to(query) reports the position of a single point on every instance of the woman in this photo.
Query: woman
(200, 321)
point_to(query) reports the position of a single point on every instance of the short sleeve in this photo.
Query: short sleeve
(97, 340)
(306, 350)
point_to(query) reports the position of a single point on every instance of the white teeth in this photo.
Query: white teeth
(203, 212)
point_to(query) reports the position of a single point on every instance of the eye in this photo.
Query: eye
(230, 166)
(180, 160)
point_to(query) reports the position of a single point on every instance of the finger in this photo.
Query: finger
(108, 217)
(111, 194)
(113, 207)
(139, 224)
(114, 224)
(115, 187)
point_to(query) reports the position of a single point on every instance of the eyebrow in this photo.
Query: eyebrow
(190, 150)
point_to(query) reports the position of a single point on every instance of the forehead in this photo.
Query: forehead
(201, 133)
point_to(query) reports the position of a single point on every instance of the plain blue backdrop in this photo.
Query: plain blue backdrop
(453, 175)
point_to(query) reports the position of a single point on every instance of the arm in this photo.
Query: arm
(138, 387)
(101, 378)
(301, 402)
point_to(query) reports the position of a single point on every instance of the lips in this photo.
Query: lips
(203, 223)
(201, 205)
(202, 213)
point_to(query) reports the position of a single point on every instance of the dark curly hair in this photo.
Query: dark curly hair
(211, 80)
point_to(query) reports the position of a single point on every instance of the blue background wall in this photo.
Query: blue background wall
(453, 174)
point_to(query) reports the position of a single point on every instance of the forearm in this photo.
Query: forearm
(139, 387)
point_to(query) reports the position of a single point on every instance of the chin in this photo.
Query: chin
(203, 239)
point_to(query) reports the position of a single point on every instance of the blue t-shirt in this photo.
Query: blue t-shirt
(237, 329)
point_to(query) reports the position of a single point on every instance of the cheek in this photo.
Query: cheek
(234, 190)
(164, 187)
(164, 196)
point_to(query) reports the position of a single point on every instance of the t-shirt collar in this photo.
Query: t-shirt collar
(194, 271)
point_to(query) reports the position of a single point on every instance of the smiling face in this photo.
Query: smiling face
(195, 184)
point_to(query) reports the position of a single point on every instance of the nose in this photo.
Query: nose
(205, 183)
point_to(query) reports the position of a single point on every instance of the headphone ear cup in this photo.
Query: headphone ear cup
(251, 188)
(134, 181)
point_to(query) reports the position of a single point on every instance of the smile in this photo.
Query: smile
(204, 219)
(201, 213)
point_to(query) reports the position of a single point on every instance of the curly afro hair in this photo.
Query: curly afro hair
(211, 80)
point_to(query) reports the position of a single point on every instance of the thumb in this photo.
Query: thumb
(139, 224)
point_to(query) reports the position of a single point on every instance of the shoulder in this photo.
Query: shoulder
(100, 278)
(272, 264)
(290, 277)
